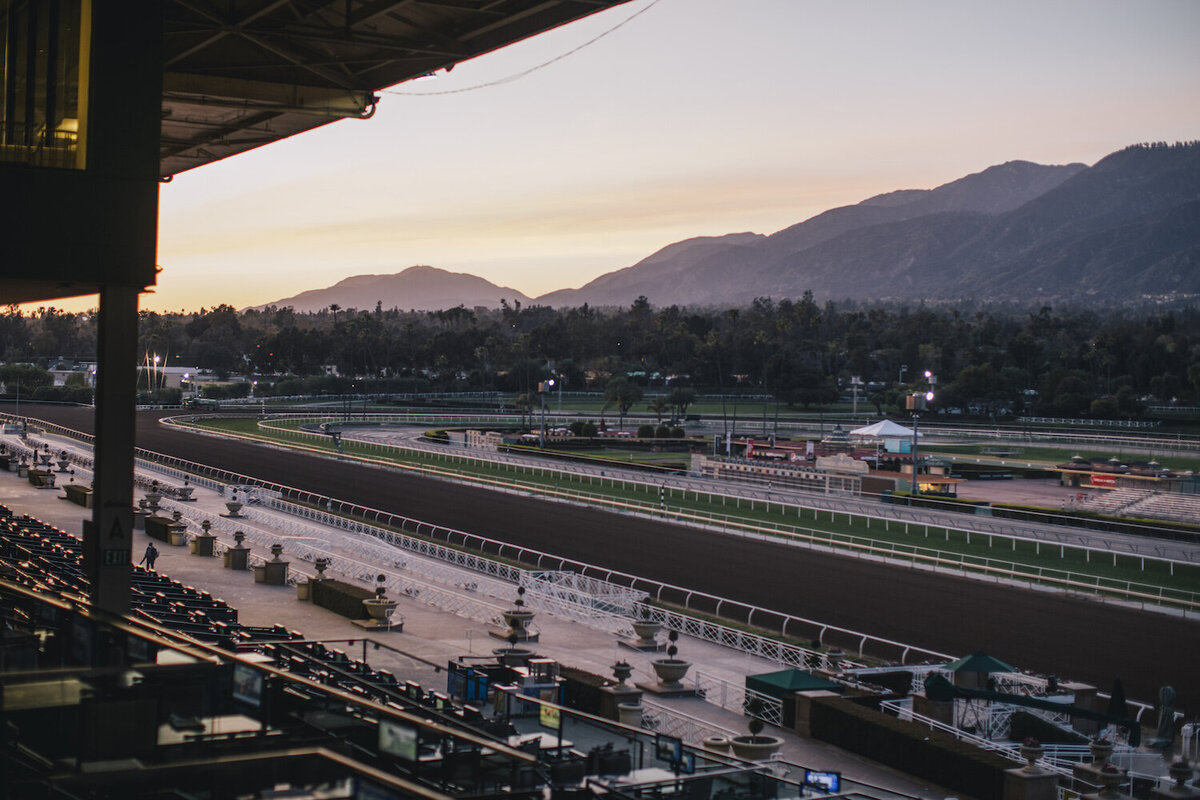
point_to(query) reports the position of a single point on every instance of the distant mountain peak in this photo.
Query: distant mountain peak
(1125, 227)
(420, 287)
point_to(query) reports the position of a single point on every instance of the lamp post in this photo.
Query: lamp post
(543, 387)
(916, 403)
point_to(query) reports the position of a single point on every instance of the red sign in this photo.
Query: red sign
(1104, 480)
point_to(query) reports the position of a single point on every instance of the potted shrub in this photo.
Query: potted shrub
(513, 656)
(380, 608)
(233, 504)
(646, 629)
(518, 617)
(756, 746)
(1031, 751)
(671, 670)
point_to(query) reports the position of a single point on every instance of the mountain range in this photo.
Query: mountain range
(1126, 227)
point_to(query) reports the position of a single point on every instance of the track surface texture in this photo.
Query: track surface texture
(1047, 632)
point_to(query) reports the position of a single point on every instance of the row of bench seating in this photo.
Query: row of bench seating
(39, 554)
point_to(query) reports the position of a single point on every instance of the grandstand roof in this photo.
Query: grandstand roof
(239, 76)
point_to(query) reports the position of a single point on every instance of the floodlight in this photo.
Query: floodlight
(928, 396)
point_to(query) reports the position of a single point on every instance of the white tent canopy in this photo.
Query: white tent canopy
(883, 429)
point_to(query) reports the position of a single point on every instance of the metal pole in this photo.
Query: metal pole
(542, 440)
(915, 486)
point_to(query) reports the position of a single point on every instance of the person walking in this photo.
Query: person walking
(150, 556)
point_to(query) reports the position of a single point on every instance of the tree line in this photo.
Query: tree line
(987, 359)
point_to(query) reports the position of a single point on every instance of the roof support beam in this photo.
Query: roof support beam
(262, 95)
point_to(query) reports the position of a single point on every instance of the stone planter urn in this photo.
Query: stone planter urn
(513, 656)
(621, 671)
(153, 497)
(756, 746)
(63, 462)
(670, 671)
(518, 618)
(1180, 771)
(716, 744)
(379, 608)
(1031, 751)
(234, 505)
(1101, 750)
(646, 630)
(751, 747)
(630, 714)
(320, 565)
(184, 492)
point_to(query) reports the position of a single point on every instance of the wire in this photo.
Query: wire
(518, 75)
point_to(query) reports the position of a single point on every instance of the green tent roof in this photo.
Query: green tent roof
(787, 680)
(979, 661)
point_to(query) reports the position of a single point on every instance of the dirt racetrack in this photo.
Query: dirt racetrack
(1048, 632)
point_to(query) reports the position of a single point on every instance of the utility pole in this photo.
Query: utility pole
(916, 403)
(543, 387)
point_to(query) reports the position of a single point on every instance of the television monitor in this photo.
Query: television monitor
(441, 701)
(247, 685)
(397, 740)
(668, 748)
(414, 691)
(822, 779)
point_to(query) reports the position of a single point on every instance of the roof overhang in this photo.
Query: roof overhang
(239, 76)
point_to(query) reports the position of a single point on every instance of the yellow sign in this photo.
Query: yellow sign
(549, 717)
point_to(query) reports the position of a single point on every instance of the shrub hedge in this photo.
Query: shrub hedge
(965, 505)
(340, 598)
(929, 754)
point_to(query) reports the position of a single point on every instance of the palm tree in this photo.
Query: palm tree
(659, 405)
(624, 393)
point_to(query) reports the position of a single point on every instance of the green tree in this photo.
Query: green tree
(659, 406)
(24, 377)
(624, 393)
(681, 397)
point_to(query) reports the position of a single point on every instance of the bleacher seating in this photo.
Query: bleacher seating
(1166, 505)
(39, 554)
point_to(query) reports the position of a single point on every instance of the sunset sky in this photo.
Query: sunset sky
(698, 117)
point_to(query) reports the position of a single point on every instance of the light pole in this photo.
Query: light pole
(543, 387)
(916, 403)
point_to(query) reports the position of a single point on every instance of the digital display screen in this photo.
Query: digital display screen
(829, 781)
(247, 685)
(398, 740)
(668, 748)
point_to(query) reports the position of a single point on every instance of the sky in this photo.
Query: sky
(693, 118)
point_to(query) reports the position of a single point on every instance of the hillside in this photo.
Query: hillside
(1126, 228)
(420, 288)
